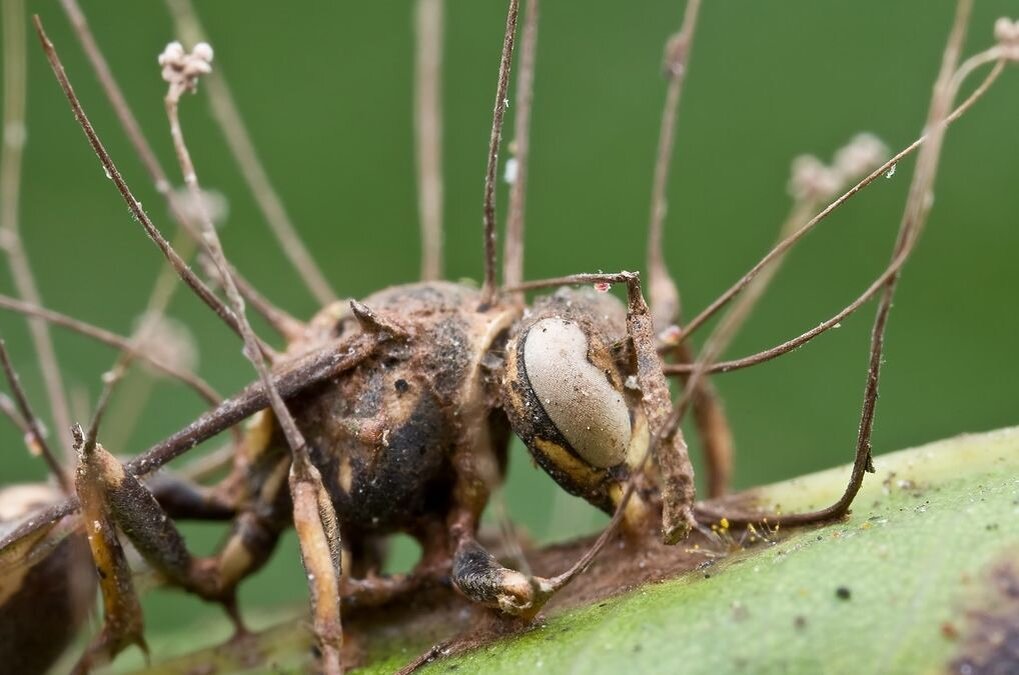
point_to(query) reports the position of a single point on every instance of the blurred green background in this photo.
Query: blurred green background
(326, 89)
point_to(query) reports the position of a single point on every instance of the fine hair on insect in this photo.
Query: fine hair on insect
(392, 413)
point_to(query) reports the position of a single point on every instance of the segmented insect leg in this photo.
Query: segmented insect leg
(319, 534)
(123, 624)
(305, 372)
(128, 505)
(678, 490)
(314, 515)
(476, 573)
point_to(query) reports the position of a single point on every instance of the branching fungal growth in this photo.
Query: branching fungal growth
(392, 414)
(182, 69)
(1006, 32)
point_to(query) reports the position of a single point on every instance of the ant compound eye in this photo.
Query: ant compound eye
(576, 395)
(563, 393)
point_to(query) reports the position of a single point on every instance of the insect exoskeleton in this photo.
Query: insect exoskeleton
(45, 600)
(567, 396)
(384, 434)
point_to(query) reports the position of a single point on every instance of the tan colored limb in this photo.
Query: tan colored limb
(307, 371)
(123, 624)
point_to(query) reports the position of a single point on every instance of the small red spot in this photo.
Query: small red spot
(949, 631)
(602, 286)
(671, 335)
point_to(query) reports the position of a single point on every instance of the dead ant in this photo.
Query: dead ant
(393, 414)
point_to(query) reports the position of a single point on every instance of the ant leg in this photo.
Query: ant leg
(480, 578)
(112, 498)
(318, 533)
(475, 573)
(122, 615)
(183, 499)
(363, 586)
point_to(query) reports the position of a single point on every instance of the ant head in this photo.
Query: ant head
(566, 396)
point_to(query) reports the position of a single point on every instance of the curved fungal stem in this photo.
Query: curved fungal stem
(694, 324)
(428, 30)
(15, 60)
(238, 140)
(34, 437)
(281, 321)
(489, 287)
(513, 250)
(183, 271)
(203, 388)
(914, 218)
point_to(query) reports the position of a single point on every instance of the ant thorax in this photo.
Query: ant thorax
(384, 434)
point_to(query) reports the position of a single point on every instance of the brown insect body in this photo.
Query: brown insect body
(386, 435)
(42, 605)
(383, 434)
(412, 439)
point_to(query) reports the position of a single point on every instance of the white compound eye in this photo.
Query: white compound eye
(577, 396)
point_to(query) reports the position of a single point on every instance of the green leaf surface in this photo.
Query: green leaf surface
(904, 585)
